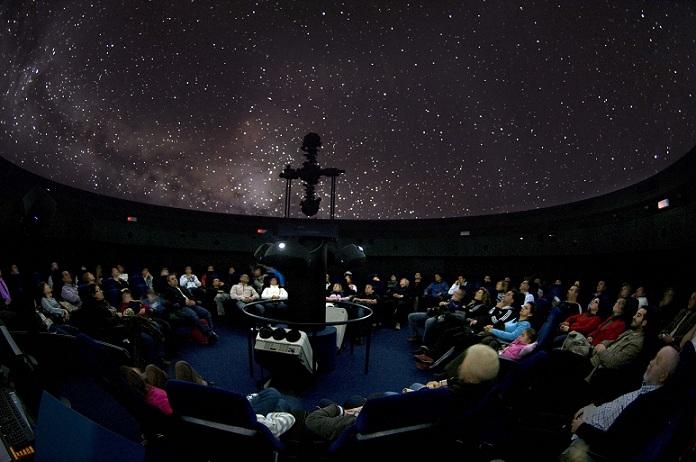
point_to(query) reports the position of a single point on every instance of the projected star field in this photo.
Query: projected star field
(434, 109)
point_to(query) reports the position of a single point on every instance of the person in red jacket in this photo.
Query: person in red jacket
(584, 323)
(613, 326)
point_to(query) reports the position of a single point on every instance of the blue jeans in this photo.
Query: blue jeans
(269, 400)
(194, 314)
(416, 321)
(428, 331)
(546, 331)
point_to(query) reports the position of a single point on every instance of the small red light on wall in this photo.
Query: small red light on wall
(132, 219)
(261, 231)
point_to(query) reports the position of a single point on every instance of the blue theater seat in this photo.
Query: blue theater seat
(138, 287)
(213, 423)
(404, 426)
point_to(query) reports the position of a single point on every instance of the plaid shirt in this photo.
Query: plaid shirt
(605, 415)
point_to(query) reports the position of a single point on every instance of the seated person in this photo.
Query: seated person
(479, 304)
(221, 295)
(436, 291)
(521, 346)
(243, 293)
(461, 281)
(426, 320)
(268, 404)
(275, 295)
(154, 304)
(371, 299)
(513, 329)
(259, 280)
(612, 327)
(480, 365)
(673, 333)
(50, 305)
(561, 312)
(400, 300)
(117, 279)
(70, 292)
(147, 277)
(184, 307)
(583, 323)
(190, 281)
(614, 428)
(507, 309)
(130, 307)
(337, 294)
(614, 354)
(351, 288)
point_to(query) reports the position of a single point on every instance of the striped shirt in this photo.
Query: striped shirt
(277, 422)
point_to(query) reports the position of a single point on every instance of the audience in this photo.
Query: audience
(185, 307)
(612, 326)
(513, 329)
(583, 323)
(448, 326)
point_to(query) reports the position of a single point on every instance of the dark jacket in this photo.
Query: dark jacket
(328, 422)
(639, 423)
(175, 298)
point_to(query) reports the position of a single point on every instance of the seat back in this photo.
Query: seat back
(217, 423)
(405, 424)
(101, 358)
(138, 286)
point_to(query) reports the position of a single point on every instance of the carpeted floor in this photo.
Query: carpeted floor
(391, 367)
(226, 363)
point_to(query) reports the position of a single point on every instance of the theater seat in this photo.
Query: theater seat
(404, 426)
(216, 424)
(138, 286)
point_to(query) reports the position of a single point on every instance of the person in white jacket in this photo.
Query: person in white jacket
(276, 296)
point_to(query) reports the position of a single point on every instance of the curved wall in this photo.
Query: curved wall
(79, 226)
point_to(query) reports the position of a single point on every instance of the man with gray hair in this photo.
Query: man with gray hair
(613, 428)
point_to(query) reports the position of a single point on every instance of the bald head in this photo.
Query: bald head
(662, 366)
(480, 364)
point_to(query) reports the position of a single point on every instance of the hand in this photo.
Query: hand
(142, 312)
(575, 424)
(66, 315)
(667, 338)
(354, 412)
(488, 328)
(599, 348)
(473, 322)
(443, 303)
(275, 297)
(433, 384)
(190, 302)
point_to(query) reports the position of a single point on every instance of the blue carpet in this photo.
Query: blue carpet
(391, 367)
(226, 363)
